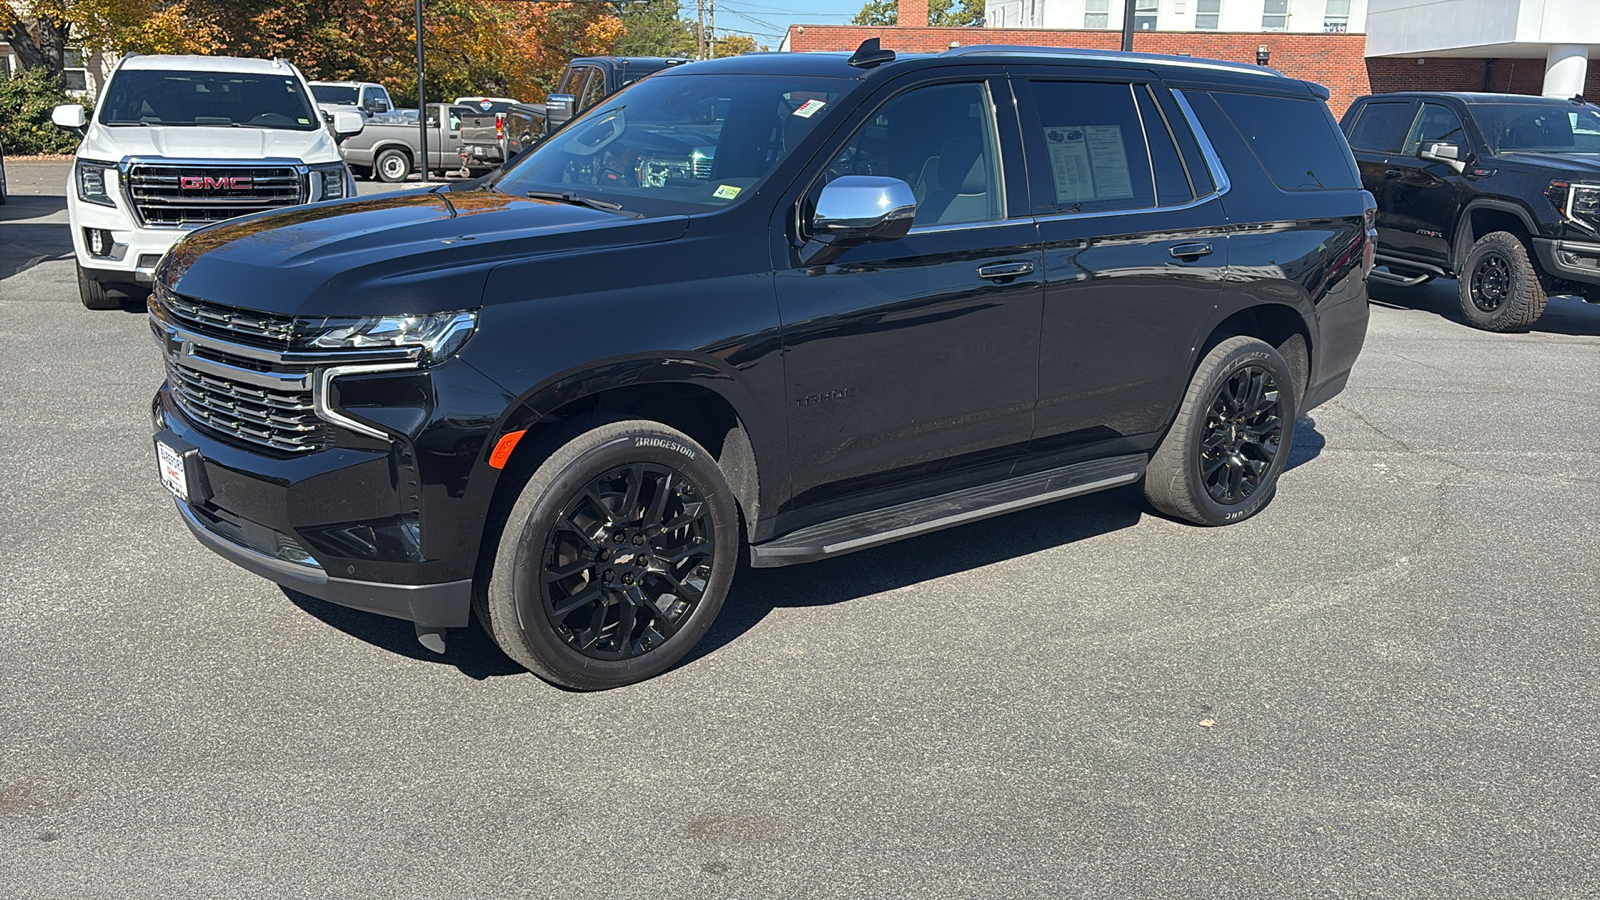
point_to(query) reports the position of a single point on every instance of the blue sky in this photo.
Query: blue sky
(766, 20)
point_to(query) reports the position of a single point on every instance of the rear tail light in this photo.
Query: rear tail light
(499, 126)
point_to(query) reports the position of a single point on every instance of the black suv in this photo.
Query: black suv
(810, 302)
(1501, 191)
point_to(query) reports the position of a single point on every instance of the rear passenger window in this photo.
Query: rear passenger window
(1295, 140)
(1380, 126)
(1172, 183)
(1088, 148)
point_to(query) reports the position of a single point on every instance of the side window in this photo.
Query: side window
(1381, 126)
(1295, 140)
(573, 82)
(1436, 123)
(939, 139)
(1087, 148)
(594, 90)
(1172, 182)
(382, 97)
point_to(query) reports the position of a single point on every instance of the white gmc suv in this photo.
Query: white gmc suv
(177, 142)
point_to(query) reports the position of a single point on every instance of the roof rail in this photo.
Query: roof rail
(1080, 53)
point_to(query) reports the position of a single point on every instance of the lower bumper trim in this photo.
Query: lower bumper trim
(430, 606)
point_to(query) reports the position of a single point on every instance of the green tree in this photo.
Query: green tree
(654, 28)
(25, 105)
(943, 13)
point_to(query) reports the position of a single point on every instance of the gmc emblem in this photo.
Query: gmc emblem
(207, 183)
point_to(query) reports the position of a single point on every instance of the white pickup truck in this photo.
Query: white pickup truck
(177, 142)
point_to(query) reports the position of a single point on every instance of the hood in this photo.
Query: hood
(1587, 164)
(112, 143)
(412, 252)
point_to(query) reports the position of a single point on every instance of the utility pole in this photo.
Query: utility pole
(699, 28)
(421, 93)
(1127, 25)
(713, 42)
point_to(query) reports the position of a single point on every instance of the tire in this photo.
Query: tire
(566, 578)
(1220, 461)
(392, 166)
(1499, 288)
(362, 172)
(93, 293)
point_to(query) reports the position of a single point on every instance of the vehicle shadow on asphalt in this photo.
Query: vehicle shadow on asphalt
(755, 593)
(25, 241)
(1564, 315)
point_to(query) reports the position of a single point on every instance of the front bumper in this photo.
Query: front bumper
(134, 250)
(1577, 261)
(430, 606)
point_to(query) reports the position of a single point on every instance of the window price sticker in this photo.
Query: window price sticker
(809, 108)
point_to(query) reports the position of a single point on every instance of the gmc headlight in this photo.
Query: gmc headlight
(440, 335)
(334, 181)
(94, 181)
(1579, 203)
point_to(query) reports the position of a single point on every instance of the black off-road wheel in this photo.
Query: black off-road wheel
(1499, 288)
(392, 166)
(614, 559)
(1220, 462)
(94, 294)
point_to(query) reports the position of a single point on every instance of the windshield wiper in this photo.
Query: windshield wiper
(578, 200)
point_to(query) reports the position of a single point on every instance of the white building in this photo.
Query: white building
(1564, 33)
(1249, 16)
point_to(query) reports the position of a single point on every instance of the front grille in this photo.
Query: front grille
(184, 195)
(244, 325)
(277, 419)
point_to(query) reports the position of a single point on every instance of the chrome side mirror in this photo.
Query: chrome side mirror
(1443, 152)
(858, 209)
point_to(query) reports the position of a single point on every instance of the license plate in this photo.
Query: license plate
(172, 473)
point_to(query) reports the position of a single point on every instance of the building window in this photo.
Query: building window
(1206, 14)
(74, 76)
(1144, 15)
(1275, 15)
(1096, 13)
(1336, 19)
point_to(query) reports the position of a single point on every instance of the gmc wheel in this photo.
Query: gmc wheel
(1499, 288)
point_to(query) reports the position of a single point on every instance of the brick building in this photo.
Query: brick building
(1337, 60)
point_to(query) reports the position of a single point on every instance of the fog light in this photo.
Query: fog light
(98, 241)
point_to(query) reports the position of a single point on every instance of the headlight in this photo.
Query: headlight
(94, 180)
(1579, 203)
(439, 335)
(334, 180)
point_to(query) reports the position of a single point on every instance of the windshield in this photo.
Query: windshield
(1539, 127)
(678, 144)
(334, 95)
(220, 99)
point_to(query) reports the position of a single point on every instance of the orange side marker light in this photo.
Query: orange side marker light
(502, 450)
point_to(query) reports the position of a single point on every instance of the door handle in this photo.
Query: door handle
(1393, 173)
(1002, 271)
(1190, 251)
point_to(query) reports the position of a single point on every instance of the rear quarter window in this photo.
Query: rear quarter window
(1295, 139)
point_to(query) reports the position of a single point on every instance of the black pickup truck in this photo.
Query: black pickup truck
(1501, 191)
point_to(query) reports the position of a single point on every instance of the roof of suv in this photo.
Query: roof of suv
(837, 63)
(1471, 97)
(206, 64)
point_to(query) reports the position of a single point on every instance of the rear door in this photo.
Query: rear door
(1135, 249)
(1376, 133)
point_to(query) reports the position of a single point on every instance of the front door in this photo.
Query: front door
(1426, 195)
(912, 364)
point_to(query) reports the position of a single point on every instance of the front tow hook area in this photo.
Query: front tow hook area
(431, 638)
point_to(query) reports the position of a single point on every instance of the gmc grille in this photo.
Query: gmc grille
(179, 195)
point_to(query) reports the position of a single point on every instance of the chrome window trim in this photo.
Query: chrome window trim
(1102, 213)
(1214, 162)
(965, 226)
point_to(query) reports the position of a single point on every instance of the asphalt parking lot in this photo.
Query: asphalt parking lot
(1387, 684)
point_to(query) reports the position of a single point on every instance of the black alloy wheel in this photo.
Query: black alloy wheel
(1491, 282)
(614, 558)
(1243, 434)
(1220, 461)
(625, 562)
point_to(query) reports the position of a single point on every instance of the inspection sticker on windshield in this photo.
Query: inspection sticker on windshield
(726, 192)
(809, 108)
